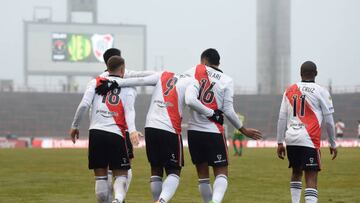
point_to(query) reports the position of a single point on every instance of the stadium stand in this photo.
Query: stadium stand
(29, 114)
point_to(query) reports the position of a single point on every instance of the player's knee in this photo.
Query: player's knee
(157, 171)
(296, 174)
(170, 171)
(222, 170)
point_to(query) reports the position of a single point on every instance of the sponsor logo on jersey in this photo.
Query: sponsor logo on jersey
(297, 126)
(106, 114)
(162, 104)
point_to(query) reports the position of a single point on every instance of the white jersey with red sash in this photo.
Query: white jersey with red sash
(305, 104)
(168, 102)
(214, 88)
(108, 112)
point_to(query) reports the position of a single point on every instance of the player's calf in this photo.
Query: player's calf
(220, 183)
(170, 185)
(120, 185)
(101, 189)
(311, 193)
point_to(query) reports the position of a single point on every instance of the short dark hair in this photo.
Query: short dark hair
(308, 69)
(115, 62)
(111, 52)
(212, 56)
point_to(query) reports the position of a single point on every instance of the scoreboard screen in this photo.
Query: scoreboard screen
(76, 47)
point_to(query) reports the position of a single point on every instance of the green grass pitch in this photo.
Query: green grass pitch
(49, 175)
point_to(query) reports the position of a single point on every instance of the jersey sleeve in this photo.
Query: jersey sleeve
(130, 110)
(191, 98)
(85, 104)
(135, 74)
(326, 102)
(228, 106)
(150, 80)
(282, 122)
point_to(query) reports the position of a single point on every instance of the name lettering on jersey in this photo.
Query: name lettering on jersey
(213, 74)
(308, 89)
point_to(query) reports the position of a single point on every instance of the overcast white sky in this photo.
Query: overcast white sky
(325, 31)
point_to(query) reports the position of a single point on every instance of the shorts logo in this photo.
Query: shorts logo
(173, 158)
(220, 159)
(124, 160)
(311, 160)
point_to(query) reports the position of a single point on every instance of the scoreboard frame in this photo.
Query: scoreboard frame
(141, 48)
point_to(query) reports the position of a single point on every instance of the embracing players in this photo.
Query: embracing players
(127, 74)
(304, 106)
(112, 117)
(163, 128)
(207, 142)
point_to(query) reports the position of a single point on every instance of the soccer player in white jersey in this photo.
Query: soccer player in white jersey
(207, 142)
(112, 116)
(127, 74)
(163, 128)
(303, 108)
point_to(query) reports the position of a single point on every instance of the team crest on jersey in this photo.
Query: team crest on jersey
(100, 44)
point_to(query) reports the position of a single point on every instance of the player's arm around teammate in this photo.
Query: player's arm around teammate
(304, 106)
(108, 125)
(207, 142)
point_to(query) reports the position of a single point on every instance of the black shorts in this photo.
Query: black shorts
(107, 149)
(304, 158)
(164, 149)
(129, 145)
(208, 148)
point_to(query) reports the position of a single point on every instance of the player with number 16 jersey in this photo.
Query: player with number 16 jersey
(206, 138)
(163, 128)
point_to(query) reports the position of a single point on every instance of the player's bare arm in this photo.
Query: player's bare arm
(231, 115)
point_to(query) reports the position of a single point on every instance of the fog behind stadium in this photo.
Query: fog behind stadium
(325, 31)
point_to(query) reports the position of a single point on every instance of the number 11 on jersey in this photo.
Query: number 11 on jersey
(302, 105)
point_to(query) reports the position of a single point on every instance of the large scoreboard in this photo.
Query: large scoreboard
(77, 49)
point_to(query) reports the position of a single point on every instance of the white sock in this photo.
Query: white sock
(119, 188)
(220, 186)
(295, 190)
(110, 185)
(156, 187)
(311, 195)
(169, 187)
(101, 189)
(128, 181)
(205, 189)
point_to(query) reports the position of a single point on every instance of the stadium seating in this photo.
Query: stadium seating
(50, 114)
